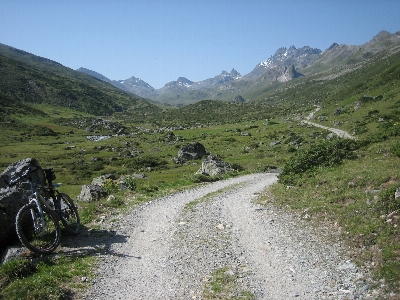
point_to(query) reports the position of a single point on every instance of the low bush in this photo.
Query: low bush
(130, 183)
(140, 163)
(388, 203)
(198, 178)
(327, 153)
(110, 186)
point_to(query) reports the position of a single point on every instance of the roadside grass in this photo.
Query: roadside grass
(222, 284)
(355, 199)
(49, 279)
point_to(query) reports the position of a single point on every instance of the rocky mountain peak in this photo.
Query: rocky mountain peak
(284, 56)
(180, 82)
(382, 35)
(334, 45)
(133, 81)
(235, 74)
(283, 59)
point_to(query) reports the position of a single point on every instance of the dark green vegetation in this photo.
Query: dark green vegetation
(47, 111)
(48, 279)
(26, 78)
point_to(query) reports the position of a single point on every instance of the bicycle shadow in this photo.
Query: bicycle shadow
(92, 242)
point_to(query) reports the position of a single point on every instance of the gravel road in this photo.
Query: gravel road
(338, 132)
(170, 247)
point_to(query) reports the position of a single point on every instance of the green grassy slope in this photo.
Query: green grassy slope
(30, 79)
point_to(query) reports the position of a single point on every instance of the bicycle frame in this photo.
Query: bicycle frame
(38, 200)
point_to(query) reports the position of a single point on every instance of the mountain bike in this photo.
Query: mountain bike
(37, 223)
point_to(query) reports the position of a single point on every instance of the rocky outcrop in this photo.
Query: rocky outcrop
(288, 74)
(91, 192)
(100, 180)
(95, 191)
(283, 57)
(191, 152)
(214, 166)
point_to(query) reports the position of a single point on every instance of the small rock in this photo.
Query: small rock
(220, 226)
(11, 253)
(348, 265)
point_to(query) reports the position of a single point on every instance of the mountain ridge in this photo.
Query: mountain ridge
(282, 66)
(286, 64)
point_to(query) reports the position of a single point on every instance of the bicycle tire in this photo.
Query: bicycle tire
(42, 240)
(69, 215)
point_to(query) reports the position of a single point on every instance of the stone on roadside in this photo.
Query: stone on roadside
(91, 193)
(214, 166)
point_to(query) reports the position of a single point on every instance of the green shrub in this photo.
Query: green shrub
(198, 178)
(237, 167)
(115, 202)
(138, 163)
(291, 149)
(130, 183)
(387, 202)
(110, 186)
(327, 153)
(396, 149)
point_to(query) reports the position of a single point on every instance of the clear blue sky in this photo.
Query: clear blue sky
(161, 40)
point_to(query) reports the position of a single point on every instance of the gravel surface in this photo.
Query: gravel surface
(170, 247)
(338, 132)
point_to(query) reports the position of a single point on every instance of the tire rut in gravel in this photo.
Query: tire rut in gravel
(140, 267)
(174, 244)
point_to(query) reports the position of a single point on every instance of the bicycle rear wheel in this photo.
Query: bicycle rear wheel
(42, 238)
(69, 214)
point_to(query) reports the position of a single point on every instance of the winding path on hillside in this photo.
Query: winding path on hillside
(338, 132)
(170, 248)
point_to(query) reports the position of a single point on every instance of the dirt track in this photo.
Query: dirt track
(168, 249)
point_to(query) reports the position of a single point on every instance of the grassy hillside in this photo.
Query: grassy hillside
(334, 183)
(26, 78)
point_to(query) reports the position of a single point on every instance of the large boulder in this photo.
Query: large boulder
(214, 166)
(12, 199)
(191, 151)
(91, 192)
(95, 191)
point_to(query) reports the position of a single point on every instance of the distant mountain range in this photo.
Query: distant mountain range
(280, 67)
(286, 64)
(30, 78)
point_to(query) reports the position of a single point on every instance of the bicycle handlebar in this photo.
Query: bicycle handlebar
(23, 175)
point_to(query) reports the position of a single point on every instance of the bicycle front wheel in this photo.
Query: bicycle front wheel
(69, 214)
(39, 236)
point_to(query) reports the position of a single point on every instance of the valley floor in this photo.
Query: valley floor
(176, 247)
